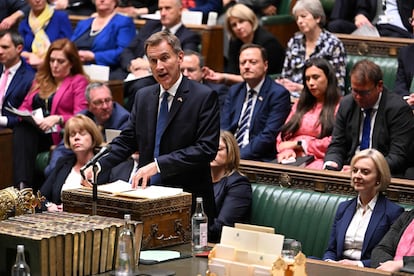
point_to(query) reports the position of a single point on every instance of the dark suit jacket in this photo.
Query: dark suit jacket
(233, 196)
(59, 26)
(189, 40)
(222, 91)
(8, 7)
(392, 135)
(405, 73)
(385, 250)
(188, 144)
(52, 188)
(383, 216)
(270, 112)
(206, 6)
(122, 171)
(17, 91)
(275, 52)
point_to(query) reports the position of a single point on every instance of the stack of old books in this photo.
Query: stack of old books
(63, 243)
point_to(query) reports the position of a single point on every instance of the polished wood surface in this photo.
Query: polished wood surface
(6, 157)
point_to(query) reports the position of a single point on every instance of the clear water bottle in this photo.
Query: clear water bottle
(20, 268)
(125, 264)
(199, 224)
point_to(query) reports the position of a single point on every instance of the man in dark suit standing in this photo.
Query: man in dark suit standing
(16, 76)
(265, 103)
(132, 58)
(174, 125)
(373, 114)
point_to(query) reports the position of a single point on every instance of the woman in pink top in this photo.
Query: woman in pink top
(57, 93)
(308, 128)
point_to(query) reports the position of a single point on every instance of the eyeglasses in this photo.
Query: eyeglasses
(361, 93)
(410, 20)
(100, 103)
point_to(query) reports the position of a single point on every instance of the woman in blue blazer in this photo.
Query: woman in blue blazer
(361, 223)
(102, 39)
(40, 28)
(232, 190)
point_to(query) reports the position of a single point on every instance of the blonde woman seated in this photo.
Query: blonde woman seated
(309, 126)
(362, 222)
(82, 136)
(232, 190)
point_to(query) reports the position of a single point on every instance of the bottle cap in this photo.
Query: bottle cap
(199, 199)
(20, 248)
(127, 216)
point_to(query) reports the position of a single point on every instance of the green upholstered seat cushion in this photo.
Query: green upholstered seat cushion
(306, 216)
(42, 160)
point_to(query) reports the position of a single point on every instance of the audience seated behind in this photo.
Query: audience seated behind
(19, 76)
(135, 8)
(311, 41)
(11, 12)
(361, 223)
(58, 92)
(82, 136)
(309, 126)
(79, 7)
(267, 109)
(53, 25)
(101, 39)
(193, 67)
(244, 28)
(395, 250)
(393, 126)
(204, 6)
(133, 57)
(404, 83)
(261, 7)
(232, 190)
(102, 110)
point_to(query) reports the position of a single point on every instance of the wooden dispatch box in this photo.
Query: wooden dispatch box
(166, 220)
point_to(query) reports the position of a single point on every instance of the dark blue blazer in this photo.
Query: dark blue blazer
(8, 7)
(188, 144)
(122, 171)
(222, 91)
(405, 72)
(383, 216)
(52, 188)
(233, 197)
(270, 112)
(17, 90)
(59, 26)
(111, 41)
(189, 40)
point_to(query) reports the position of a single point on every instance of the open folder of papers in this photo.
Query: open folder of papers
(122, 188)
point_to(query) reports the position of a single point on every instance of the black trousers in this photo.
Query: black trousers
(28, 141)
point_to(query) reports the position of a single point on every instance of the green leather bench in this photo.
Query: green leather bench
(304, 215)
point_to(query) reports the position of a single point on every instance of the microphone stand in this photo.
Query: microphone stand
(95, 169)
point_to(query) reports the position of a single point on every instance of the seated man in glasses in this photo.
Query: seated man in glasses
(102, 110)
(371, 117)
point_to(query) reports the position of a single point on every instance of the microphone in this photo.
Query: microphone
(104, 150)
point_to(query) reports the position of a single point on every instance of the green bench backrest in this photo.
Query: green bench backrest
(389, 66)
(306, 216)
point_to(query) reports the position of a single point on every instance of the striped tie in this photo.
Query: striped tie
(245, 119)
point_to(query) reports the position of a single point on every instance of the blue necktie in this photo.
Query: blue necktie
(245, 119)
(366, 130)
(161, 122)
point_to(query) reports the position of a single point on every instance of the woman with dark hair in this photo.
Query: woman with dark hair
(232, 190)
(57, 93)
(82, 136)
(40, 28)
(309, 126)
(362, 222)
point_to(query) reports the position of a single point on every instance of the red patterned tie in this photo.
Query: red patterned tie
(406, 245)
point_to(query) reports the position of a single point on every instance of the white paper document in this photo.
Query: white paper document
(123, 188)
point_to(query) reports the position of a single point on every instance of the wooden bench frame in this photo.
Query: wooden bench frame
(399, 190)
(211, 40)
